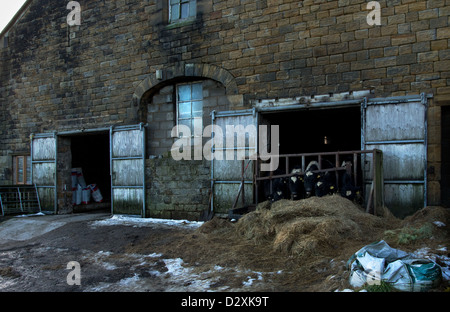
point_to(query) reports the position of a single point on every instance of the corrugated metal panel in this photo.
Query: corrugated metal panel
(43, 166)
(226, 174)
(127, 170)
(397, 126)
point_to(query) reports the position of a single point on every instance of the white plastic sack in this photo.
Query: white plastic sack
(367, 269)
(397, 274)
(79, 195)
(80, 177)
(96, 194)
(74, 179)
(379, 262)
(86, 197)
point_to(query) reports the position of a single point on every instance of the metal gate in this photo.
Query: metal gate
(232, 158)
(127, 150)
(43, 169)
(397, 126)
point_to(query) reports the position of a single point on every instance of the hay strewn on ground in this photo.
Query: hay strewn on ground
(309, 241)
(313, 238)
(311, 227)
(430, 225)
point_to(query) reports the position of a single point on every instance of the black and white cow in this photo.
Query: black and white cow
(279, 189)
(310, 178)
(319, 183)
(348, 188)
(296, 184)
(285, 188)
(326, 180)
(326, 184)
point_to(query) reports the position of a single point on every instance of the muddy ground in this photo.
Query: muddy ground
(216, 256)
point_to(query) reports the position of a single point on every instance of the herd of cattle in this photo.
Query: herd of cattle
(314, 182)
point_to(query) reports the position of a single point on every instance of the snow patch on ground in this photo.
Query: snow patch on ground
(100, 258)
(250, 280)
(30, 215)
(143, 222)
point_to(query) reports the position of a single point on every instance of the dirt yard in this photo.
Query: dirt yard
(300, 246)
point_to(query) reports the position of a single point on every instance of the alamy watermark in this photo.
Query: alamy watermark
(74, 17)
(74, 276)
(374, 16)
(235, 142)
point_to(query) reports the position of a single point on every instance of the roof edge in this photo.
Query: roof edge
(15, 18)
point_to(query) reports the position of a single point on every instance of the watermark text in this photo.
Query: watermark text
(74, 17)
(74, 276)
(235, 142)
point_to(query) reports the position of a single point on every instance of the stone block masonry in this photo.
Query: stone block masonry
(59, 77)
(177, 189)
(268, 46)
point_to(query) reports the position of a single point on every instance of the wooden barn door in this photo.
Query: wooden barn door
(128, 170)
(43, 169)
(397, 126)
(232, 166)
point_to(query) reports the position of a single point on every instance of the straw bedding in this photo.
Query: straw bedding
(310, 226)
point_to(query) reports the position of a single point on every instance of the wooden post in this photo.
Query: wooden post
(378, 200)
(243, 182)
(370, 199)
(255, 181)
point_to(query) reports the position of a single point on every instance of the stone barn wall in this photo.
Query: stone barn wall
(56, 77)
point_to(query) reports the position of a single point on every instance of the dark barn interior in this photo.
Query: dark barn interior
(316, 131)
(91, 153)
(319, 130)
(445, 156)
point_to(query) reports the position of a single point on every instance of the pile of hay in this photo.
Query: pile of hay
(430, 225)
(309, 227)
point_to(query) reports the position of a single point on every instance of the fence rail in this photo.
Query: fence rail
(16, 199)
(363, 176)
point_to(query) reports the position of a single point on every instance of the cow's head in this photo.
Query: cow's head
(295, 186)
(309, 183)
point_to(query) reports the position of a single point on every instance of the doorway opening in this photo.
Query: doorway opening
(317, 131)
(91, 153)
(323, 130)
(445, 156)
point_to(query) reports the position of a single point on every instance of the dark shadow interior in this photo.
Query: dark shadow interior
(445, 156)
(317, 131)
(320, 130)
(91, 153)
